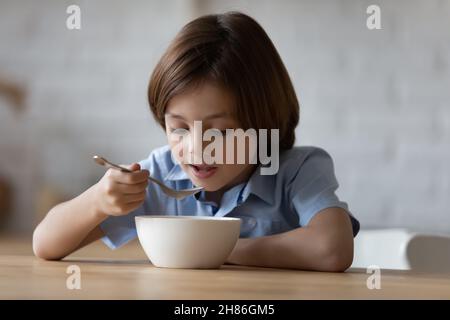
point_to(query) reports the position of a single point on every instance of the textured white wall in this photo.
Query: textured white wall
(378, 101)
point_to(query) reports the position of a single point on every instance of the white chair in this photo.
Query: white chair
(402, 249)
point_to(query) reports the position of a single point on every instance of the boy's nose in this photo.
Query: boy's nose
(195, 150)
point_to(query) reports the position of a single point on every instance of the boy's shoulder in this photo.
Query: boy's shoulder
(310, 160)
(300, 155)
(306, 170)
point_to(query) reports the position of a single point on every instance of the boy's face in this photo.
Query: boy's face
(212, 105)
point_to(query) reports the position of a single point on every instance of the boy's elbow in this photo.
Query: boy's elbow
(40, 248)
(337, 263)
(337, 258)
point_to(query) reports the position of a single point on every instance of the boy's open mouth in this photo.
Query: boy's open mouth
(202, 171)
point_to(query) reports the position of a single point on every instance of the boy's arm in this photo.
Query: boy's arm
(96, 234)
(68, 227)
(75, 223)
(325, 244)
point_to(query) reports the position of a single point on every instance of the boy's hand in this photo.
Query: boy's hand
(119, 193)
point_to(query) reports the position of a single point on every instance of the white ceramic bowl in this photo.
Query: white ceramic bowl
(187, 241)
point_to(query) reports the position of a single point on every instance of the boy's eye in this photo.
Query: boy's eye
(222, 132)
(178, 131)
(184, 130)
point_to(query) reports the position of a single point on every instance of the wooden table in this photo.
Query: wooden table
(127, 274)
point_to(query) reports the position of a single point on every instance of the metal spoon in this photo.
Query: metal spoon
(177, 194)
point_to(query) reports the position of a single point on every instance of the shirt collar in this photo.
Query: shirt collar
(260, 185)
(176, 173)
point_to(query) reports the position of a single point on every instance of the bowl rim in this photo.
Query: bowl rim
(199, 218)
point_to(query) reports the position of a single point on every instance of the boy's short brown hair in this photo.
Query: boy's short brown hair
(233, 50)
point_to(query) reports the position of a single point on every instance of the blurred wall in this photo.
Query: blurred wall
(377, 100)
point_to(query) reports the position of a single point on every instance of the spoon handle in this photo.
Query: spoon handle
(111, 165)
(108, 164)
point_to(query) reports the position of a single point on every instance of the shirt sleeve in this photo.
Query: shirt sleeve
(121, 229)
(314, 186)
(118, 230)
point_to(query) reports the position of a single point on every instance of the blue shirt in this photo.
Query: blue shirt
(266, 204)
